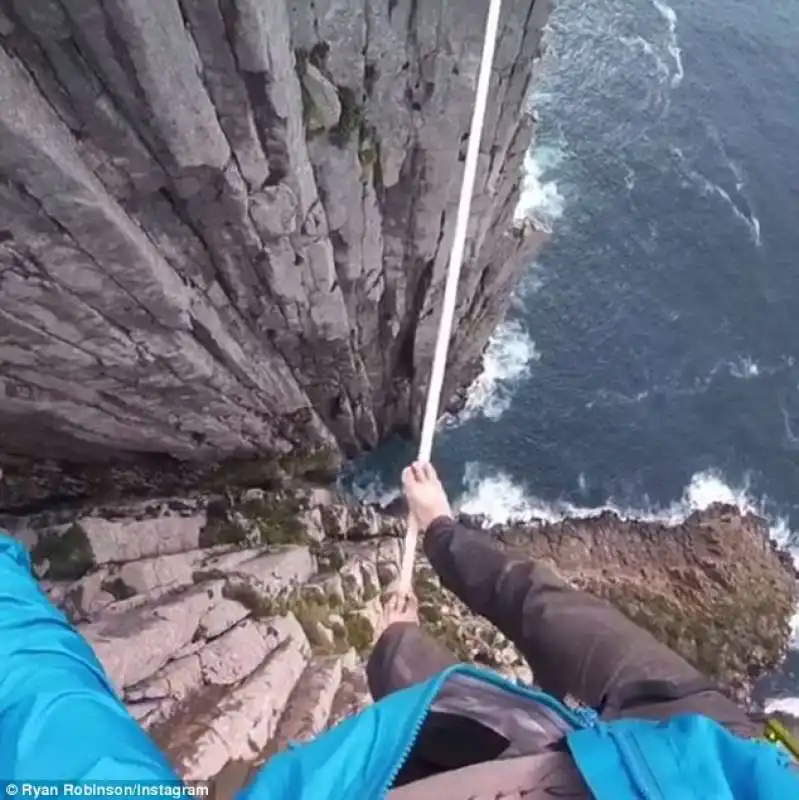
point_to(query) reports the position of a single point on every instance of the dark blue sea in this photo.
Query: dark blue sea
(650, 361)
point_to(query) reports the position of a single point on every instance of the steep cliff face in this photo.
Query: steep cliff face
(224, 224)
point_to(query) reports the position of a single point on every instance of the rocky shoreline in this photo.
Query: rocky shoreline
(233, 622)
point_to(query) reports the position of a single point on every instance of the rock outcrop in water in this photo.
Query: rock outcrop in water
(224, 224)
(235, 623)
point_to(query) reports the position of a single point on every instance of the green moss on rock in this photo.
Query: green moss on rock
(449, 633)
(258, 604)
(331, 557)
(221, 531)
(118, 588)
(311, 615)
(319, 465)
(253, 473)
(277, 519)
(700, 631)
(427, 588)
(69, 555)
(349, 126)
(369, 591)
(430, 613)
(360, 632)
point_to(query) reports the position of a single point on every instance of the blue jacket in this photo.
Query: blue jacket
(686, 758)
(61, 720)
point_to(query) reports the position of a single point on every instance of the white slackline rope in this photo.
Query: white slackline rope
(453, 275)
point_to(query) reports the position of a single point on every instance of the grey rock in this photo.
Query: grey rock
(240, 726)
(222, 617)
(319, 634)
(234, 656)
(6, 26)
(162, 572)
(311, 702)
(275, 211)
(352, 697)
(324, 105)
(314, 524)
(143, 710)
(321, 496)
(85, 597)
(281, 570)
(350, 660)
(253, 496)
(371, 579)
(226, 562)
(211, 669)
(325, 589)
(186, 273)
(352, 580)
(388, 560)
(114, 541)
(137, 644)
(175, 682)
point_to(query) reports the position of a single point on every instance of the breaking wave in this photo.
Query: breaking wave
(638, 42)
(710, 188)
(541, 199)
(507, 359)
(370, 488)
(500, 499)
(673, 46)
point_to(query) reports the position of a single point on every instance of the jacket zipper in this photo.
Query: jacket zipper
(651, 785)
(577, 721)
(405, 754)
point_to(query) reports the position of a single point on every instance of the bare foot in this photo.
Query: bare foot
(400, 608)
(426, 497)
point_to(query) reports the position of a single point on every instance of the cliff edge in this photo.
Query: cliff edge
(224, 224)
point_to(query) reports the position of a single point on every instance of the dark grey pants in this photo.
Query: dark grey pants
(575, 643)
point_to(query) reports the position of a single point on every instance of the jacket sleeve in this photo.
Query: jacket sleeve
(575, 643)
(60, 718)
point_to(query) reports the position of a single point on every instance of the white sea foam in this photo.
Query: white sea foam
(787, 705)
(541, 199)
(673, 46)
(529, 284)
(370, 488)
(732, 165)
(507, 359)
(744, 368)
(500, 499)
(708, 188)
(629, 177)
(636, 43)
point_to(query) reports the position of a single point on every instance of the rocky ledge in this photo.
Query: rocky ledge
(234, 623)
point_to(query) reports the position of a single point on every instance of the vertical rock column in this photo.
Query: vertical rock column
(224, 224)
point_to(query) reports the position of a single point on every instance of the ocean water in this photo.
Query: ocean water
(649, 361)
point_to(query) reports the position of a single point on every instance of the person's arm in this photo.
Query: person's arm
(60, 718)
(575, 643)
